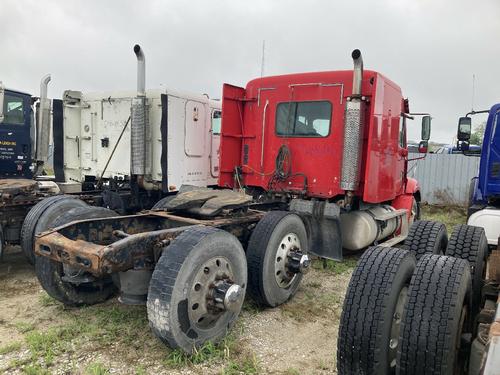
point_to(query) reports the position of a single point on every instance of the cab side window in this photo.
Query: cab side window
(303, 119)
(216, 122)
(13, 109)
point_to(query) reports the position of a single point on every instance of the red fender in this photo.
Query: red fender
(412, 191)
(412, 187)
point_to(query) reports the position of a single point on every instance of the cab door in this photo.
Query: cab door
(15, 136)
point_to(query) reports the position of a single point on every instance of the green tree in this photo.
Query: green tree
(476, 137)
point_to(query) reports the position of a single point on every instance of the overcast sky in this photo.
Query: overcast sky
(431, 48)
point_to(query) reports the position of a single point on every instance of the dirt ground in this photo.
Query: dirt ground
(40, 336)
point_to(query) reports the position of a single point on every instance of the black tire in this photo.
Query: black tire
(163, 202)
(435, 317)
(50, 272)
(41, 216)
(426, 237)
(262, 252)
(470, 243)
(174, 284)
(372, 311)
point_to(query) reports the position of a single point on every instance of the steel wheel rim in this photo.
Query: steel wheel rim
(201, 313)
(284, 278)
(395, 328)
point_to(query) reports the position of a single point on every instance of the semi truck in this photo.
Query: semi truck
(310, 164)
(24, 150)
(177, 144)
(427, 308)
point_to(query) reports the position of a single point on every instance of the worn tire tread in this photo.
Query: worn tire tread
(425, 237)
(470, 243)
(363, 309)
(429, 318)
(165, 275)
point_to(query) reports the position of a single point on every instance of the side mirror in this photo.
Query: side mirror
(426, 128)
(423, 147)
(2, 93)
(464, 128)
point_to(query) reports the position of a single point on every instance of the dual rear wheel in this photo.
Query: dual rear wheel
(199, 283)
(407, 316)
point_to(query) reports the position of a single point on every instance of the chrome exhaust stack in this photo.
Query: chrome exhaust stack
(141, 70)
(357, 77)
(138, 120)
(353, 132)
(43, 125)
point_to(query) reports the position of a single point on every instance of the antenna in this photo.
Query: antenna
(473, 91)
(263, 57)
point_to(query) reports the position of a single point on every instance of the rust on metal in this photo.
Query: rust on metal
(107, 245)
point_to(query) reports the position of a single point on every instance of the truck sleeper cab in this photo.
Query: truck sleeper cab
(288, 187)
(181, 146)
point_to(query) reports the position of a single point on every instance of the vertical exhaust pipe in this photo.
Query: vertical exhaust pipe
(357, 77)
(353, 131)
(43, 124)
(138, 120)
(141, 70)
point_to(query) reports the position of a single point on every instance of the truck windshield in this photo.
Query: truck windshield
(303, 119)
(13, 109)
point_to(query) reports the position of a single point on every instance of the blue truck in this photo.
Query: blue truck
(484, 197)
(24, 148)
(16, 124)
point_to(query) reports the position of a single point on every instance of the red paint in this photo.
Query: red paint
(412, 186)
(383, 159)
(403, 201)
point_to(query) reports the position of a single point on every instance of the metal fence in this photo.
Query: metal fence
(444, 178)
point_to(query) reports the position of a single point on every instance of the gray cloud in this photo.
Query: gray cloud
(430, 48)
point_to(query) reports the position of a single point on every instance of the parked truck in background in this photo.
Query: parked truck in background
(177, 144)
(310, 163)
(24, 149)
(430, 309)
(484, 195)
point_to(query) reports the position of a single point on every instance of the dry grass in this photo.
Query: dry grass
(449, 215)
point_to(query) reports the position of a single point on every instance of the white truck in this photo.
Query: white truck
(125, 150)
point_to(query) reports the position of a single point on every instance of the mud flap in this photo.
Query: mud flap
(322, 221)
